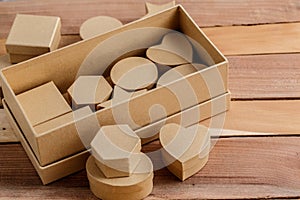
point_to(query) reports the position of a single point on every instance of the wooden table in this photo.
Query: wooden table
(258, 155)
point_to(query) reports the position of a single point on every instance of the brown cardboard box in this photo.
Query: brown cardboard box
(16, 58)
(33, 35)
(43, 103)
(62, 67)
(54, 171)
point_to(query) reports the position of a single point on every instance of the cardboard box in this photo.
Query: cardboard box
(16, 58)
(62, 67)
(43, 103)
(33, 35)
(54, 171)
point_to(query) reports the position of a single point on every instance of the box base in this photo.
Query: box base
(54, 171)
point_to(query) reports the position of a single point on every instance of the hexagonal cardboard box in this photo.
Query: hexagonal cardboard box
(117, 150)
(89, 90)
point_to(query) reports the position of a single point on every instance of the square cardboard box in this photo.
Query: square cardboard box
(62, 67)
(43, 103)
(33, 35)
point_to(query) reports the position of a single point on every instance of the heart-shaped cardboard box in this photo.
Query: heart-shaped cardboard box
(185, 150)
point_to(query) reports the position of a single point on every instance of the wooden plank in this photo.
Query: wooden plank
(237, 168)
(259, 118)
(264, 76)
(205, 13)
(6, 132)
(261, 39)
(281, 117)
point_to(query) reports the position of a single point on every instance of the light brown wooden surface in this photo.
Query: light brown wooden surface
(6, 132)
(264, 76)
(205, 13)
(239, 166)
(245, 40)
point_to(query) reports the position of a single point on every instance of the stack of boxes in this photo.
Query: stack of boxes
(118, 169)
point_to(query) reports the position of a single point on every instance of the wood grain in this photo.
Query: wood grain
(259, 118)
(261, 39)
(274, 117)
(237, 168)
(205, 13)
(6, 132)
(264, 76)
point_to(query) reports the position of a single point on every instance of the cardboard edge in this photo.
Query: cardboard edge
(171, 119)
(202, 32)
(55, 39)
(54, 171)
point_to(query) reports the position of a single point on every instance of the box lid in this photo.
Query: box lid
(33, 35)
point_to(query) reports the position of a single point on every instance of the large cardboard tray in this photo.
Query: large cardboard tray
(62, 67)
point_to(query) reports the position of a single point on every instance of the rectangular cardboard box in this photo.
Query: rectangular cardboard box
(62, 66)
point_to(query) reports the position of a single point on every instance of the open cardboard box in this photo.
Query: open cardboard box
(62, 140)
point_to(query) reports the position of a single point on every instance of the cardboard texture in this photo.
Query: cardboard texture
(134, 73)
(16, 58)
(89, 90)
(33, 35)
(97, 26)
(43, 103)
(62, 67)
(185, 150)
(54, 171)
(116, 149)
(179, 72)
(175, 49)
(137, 186)
(187, 117)
(118, 96)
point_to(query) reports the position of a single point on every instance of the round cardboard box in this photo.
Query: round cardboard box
(137, 186)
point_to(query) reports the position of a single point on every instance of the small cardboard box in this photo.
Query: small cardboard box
(62, 67)
(38, 103)
(31, 36)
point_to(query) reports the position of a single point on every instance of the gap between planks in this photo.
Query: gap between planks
(237, 168)
(245, 118)
(205, 13)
